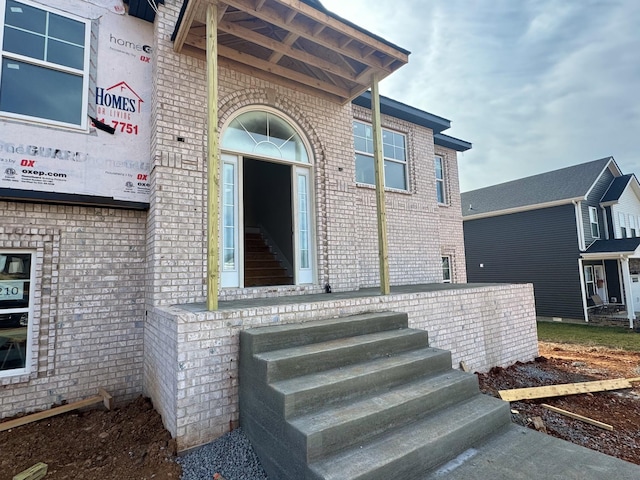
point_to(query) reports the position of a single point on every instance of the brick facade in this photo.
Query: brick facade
(109, 280)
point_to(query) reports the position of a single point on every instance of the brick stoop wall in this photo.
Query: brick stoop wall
(191, 355)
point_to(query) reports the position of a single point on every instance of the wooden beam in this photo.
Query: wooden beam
(185, 25)
(34, 417)
(289, 40)
(260, 4)
(213, 174)
(349, 51)
(285, 49)
(588, 420)
(281, 71)
(36, 472)
(378, 155)
(563, 389)
(222, 9)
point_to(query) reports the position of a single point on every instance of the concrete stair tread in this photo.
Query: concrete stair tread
(340, 352)
(412, 451)
(348, 373)
(373, 404)
(336, 344)
(343, 425)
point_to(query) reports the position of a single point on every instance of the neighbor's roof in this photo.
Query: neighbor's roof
(616, 188)
(617, 246)
(545, 189)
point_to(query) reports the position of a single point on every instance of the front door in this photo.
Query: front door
(266, 203)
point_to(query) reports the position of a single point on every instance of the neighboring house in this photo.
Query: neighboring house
(573, 233)
(106, 156)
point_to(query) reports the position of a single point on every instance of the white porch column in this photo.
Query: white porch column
(584, 290)
(628, 296)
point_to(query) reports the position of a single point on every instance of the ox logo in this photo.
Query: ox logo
(27, 163)
(142, 176)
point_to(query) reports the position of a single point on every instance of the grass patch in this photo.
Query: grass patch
(611, 337)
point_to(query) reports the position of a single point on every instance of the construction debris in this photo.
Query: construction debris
(102, 397)
(38, 471)
(539, 424)
(564, 389)
(463, 366)
(588, 420)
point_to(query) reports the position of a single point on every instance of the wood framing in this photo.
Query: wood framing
(213, 175)
(293, 42)
(378, 156)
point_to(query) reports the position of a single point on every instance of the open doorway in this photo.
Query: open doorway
(268, 224)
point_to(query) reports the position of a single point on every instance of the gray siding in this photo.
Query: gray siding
(593, 200)
(539, 247)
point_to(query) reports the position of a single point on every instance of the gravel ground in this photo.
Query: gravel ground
(231, 456)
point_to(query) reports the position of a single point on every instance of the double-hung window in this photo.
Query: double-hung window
(593, 219)
(623, 225)
(632, 226)
(44, 74)
(395, 156)
(441, 191)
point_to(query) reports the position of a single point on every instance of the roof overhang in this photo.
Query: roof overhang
(525, 208)
(292, 43)
(452, 143)
(613, 249)
(143, 9)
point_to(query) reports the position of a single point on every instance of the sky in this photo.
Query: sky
(534, 85)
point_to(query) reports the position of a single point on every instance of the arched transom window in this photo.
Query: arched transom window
(265, 134)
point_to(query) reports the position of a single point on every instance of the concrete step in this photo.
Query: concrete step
(299, 395)
(333, 429)
(265, 339)
(409, 452)
(267, 281)
(305, 359)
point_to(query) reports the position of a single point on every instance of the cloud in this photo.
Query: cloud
(535, 85)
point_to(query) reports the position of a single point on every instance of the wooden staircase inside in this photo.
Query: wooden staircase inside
(261, 265)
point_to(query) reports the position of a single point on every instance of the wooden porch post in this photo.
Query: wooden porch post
(378, 155)
(213, 176)
(628, 296)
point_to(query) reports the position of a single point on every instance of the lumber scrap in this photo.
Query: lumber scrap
(36, 472)
(563, 389)
(582, 418)
(102, 397)
(539, 425)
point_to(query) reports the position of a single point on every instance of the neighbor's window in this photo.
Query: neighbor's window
(44, 72)
(441, 192)
(589, 281)
(623, 225)
(593, 218)
(395, 156)
(446, 269)
(15, 284)
(632, 226)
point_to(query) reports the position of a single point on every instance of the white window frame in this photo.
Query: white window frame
(404, 163)
(29, 309)
(632, 226)
(593, 219)
(84, 73)
(449, 259)
(623, 224)
(440, 181)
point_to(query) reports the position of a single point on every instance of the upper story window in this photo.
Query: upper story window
(623, 225)
(44, 74)
(395, 156)
(441, 191)
(593, 219)
(632, 226)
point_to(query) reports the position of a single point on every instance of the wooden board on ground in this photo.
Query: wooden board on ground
(563, 389)
(102, 397)
(588, 420)
(38, 471)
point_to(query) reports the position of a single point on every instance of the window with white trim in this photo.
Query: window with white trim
(441, 190)
(44, 73)
(394, 151)
(446, 269)
(15, 308)
(589, 280)
(593, 219)
(632, 226)
(623, 225)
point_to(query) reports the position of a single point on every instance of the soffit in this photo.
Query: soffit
(292, 42)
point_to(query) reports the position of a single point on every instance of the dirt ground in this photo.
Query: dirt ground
(130, 442)
(561, 363)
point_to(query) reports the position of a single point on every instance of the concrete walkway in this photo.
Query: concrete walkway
(524, 454)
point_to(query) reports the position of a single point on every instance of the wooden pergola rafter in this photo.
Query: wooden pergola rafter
(293, 41)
